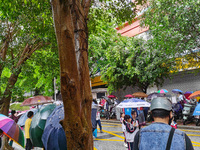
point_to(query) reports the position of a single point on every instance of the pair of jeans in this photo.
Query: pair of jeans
(99, 123)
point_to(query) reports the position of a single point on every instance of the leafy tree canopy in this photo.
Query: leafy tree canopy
(125, 61)
(174, 26)
(27, 26)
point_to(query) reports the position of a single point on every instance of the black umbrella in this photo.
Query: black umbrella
(108, 100)
(105, 97)
(154, 95)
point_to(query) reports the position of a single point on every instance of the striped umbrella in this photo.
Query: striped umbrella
(11, 130)
(163, 91)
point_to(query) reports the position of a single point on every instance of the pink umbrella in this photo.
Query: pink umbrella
(111, 96)
(163, 91)
(129, 95)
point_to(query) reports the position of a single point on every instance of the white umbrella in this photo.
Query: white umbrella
(133, 103)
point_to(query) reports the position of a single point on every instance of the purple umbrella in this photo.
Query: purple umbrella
(176, 91)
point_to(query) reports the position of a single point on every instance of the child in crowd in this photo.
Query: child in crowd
(123, 127)
(131, 130)
(29, 144)
(134, 118)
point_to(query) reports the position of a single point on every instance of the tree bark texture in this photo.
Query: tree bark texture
(5, 101)
(70, 18)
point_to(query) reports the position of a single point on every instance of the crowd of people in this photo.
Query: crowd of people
(150, 137)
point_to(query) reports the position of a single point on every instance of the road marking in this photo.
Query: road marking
(116, 131)
(113, 134)
(109, 140)
(190, 130)
(193, 135)
(195, 142)
(110, 126)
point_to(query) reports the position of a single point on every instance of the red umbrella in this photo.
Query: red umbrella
(37, 100)
(111, 96)
(129, 95)
(187, 94)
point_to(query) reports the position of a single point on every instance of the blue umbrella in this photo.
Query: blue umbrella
(197, 110)
(54, 135)
(22, 119)
(176, 91)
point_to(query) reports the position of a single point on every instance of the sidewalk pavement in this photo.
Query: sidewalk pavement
(191, 126)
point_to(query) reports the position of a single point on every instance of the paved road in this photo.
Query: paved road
(112, 138)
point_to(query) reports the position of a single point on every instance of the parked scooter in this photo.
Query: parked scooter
(177, 111)
(188, 113)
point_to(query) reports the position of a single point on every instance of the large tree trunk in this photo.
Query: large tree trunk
(70, 18)
(5, 101)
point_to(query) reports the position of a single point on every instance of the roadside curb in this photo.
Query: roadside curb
(178, 126)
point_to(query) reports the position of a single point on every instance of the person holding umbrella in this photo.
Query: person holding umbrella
(29, 144)
(14, 117)
(106, 107)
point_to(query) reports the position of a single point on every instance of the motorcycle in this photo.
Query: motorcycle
(188, 113)
(177, 111)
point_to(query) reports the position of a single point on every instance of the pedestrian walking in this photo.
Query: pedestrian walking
(29, 144)
(123, 127)
(160, 135)
(14, 117)
(131, 130)
(140, 117)
(98, 120)
(106, 107)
